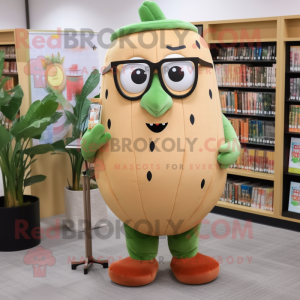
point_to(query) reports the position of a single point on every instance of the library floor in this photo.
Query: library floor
(263, 266)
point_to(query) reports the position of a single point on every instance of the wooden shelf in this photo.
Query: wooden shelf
(249, 115)
(293, 72)
(292, 174)
(292, 133)
(217, 61)
(258, 144)
(245, 208)
(293, 101)
(230, 41)
(9, 73)
(246, 88)
(251, 174)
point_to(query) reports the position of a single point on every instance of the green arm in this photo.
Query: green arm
(92, 141)
(230, 151)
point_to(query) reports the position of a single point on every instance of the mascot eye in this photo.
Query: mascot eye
(176, 74)
(138, 76)
(179, 76)
(134, 78)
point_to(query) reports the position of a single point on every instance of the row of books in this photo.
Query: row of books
(295, 58)
(10, 67)
(254, 131)
(10, 51)
(9, 84)
(251, 103)
(248, 194)
(255, 160)
(294, 88)
(245, 53)
(245, 75)
(294, 118)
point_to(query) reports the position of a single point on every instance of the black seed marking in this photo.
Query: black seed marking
(149, 176)
(210, 94)
(109, 123)
(202, 184)
(192, 119)
(106, 93)
(152, 146)
(197, 43)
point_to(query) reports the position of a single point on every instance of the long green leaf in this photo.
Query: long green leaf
(45, 110)
(84, 110)
(11, 109)
(51, 96)
(90, 84)
(4, 99)
(71, 118)
(34, 130)
(59, 146)
(39, 149)
(34, 179)
(5, 137)
(56, 116)
(25, 121)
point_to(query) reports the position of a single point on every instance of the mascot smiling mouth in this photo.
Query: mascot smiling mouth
(158, 127)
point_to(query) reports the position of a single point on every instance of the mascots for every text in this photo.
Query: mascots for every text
(159, 85)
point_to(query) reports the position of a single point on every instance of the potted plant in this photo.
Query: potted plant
(78, 117)
(19, 213)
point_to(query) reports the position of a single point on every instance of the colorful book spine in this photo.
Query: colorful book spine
(252, 103)
(249, 76)
(249, 194)
(295, 58)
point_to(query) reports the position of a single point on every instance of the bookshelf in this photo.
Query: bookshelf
(267, 31)
(291, 37)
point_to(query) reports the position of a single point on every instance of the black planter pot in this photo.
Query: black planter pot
(20, 226)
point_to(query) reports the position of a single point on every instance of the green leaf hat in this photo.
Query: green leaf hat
(152, 18)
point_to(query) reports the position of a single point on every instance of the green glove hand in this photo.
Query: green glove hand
(92, 141)
(230, 151)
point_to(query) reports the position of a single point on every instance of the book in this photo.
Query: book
(255, 160)
(9, 51)
(294, 118)
(294, 89)
(9, 67)
(248, 194)
(294, 198)
(294, 158)
(244, 53)
(251, 103)
(254, 131)
(245, 75)
(295, 58)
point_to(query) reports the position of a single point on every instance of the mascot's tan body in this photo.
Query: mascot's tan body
(165, 166)
(174, 192)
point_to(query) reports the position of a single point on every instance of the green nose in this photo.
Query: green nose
(156, 101)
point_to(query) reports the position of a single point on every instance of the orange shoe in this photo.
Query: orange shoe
(131, 272)
(195, 270)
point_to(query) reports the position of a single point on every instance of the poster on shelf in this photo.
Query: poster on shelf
(294, 159)
(58, 62)
(294, 199)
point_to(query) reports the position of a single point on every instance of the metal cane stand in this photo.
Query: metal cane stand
(89, 259)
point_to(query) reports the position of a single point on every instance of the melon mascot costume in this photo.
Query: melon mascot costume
(167, 145)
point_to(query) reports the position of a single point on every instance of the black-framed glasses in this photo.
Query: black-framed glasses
(177, 76)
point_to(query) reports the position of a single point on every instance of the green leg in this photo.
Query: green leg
(185, 245)
(140, 246)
